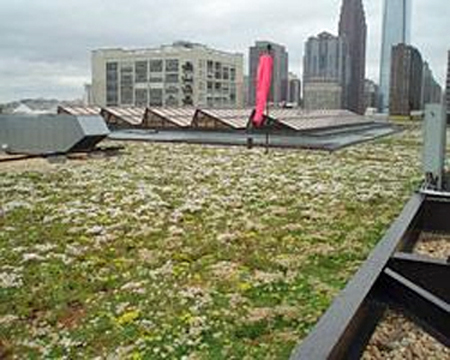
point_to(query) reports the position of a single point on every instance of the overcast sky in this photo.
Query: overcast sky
(45, 44)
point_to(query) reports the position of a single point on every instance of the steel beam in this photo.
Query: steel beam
(345, 329)
(435, 218)
(428, 273)
(431, 312)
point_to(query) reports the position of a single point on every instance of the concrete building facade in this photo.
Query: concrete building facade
(182, 74)
(406, 80)
(280, 78)
(325, 72)
(396, 30)
(353, 28)
(322, 96)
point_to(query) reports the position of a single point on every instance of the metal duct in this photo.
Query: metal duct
(50, 134)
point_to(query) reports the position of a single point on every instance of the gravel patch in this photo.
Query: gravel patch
(396, 338)
(434, 245)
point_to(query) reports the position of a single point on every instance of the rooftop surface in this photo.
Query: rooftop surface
(173, 250)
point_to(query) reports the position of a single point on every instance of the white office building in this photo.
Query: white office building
(182, 74)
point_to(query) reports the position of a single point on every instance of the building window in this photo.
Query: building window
(232, 93)
(188, 67)
(172, 65)
(112, 84)
(210, 69)
(156, 79)
(232, 74)
(126, 84)
(225, 88)
(218, 70)
(141, 71)
(188, 72)
(141, 97)
(188, 100)
(156, 97)
(156, 65)
(172, 101)
(210, 66)
(172, 89)
(172, 78)
(188, 89)
(226, 73)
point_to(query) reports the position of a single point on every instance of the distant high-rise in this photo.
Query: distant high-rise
(279, 89)
(431, 90)
(294, 90)
(396, 30)
(325, 72)
(447, 85)
(371, 94)
(352, 27)
(406, 80)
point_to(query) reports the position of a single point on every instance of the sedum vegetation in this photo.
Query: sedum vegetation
(190, 252)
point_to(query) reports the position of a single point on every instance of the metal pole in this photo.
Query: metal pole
(267, 128)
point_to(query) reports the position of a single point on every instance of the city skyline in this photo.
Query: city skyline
(45, 47)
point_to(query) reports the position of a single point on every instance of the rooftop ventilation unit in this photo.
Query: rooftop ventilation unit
(50, 134)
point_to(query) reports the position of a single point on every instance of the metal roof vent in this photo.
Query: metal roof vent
(50, 134)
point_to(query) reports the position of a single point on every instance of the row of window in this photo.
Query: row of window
(126, 91)
(159, 97)
(144, 70)
(120, 79)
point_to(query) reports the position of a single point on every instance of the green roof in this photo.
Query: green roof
(184, 250)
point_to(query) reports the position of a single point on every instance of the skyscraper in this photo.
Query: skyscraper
(353, 28)
(431, 90)
(279, 89)
(406, 80)
(294, 90)
(371, 94)
(447, 85)
(396, 30)
(325, 72)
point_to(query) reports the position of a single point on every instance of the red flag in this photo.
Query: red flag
(264, 79)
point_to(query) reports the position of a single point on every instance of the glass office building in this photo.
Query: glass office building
(396, 30)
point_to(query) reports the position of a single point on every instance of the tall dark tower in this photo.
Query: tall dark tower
(352, 27)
